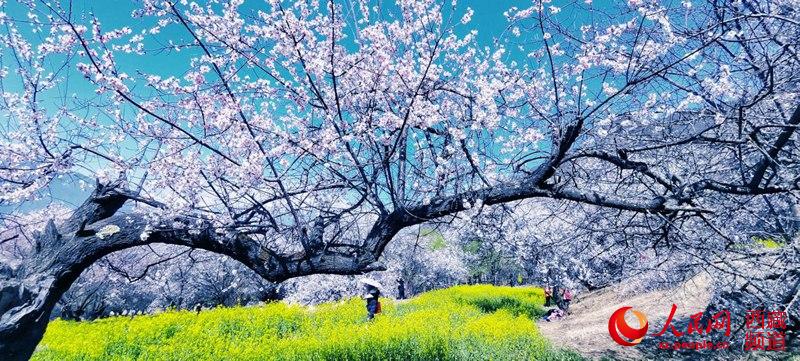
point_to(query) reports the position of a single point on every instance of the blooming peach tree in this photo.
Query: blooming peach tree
(299, 137)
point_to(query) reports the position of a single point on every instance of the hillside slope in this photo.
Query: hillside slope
(585, 329)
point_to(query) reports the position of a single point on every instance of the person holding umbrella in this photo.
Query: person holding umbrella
(372, 288)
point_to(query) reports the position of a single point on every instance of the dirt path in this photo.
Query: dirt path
(585, 329)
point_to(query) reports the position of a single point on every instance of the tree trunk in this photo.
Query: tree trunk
(25, 308)
(29, 294)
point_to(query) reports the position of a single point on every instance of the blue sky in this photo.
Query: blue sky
(488, 20)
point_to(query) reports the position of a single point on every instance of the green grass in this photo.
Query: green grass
(459, 323)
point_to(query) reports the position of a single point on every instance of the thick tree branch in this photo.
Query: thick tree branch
(772, 154)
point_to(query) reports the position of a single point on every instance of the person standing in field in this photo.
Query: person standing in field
(372, 294)
(548, 294)
(401, 289)
(555, 296)
(567, 299)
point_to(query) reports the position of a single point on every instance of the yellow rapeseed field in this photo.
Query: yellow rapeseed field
(478, 322)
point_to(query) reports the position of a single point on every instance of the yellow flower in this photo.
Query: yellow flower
(458, 323)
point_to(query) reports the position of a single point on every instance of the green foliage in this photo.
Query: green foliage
(460, 323)
(488, 262)
(767, 242)
(473, 246)
(436, 239)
